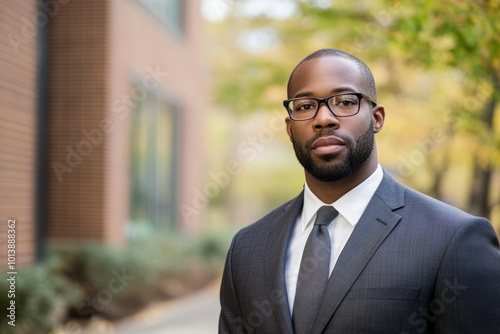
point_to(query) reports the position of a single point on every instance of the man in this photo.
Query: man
(356, 252)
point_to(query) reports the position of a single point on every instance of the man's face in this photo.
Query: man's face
(331, 148)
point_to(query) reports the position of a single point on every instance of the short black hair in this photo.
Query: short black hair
(366, 75)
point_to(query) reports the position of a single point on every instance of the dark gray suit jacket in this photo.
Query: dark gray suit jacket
(411, 265)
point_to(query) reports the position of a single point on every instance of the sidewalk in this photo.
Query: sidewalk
(194, 314)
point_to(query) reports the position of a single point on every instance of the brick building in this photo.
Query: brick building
(18, 127)
(102, 118)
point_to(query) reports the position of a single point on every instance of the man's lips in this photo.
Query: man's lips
(327, 141)
(328, 145)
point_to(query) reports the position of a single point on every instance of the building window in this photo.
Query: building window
(153, 166)
(170, 12)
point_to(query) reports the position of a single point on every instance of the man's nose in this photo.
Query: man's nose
(325, 118)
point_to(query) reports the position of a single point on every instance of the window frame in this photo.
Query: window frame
(179, 27)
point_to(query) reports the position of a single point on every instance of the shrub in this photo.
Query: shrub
(42, 297)
(118, 282)
(81, 281)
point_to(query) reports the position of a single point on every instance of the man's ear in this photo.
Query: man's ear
(378, 114)
(288, 123)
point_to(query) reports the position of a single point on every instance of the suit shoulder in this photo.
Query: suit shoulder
(435, 209)
(414, 204)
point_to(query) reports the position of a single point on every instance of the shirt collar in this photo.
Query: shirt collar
(351, 205)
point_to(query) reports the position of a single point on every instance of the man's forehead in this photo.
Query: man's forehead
(344, 71)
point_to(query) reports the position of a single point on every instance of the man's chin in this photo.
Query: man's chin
(330, 172)
(327, 157)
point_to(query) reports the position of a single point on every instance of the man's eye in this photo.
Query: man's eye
(346, 103)
(305, 107)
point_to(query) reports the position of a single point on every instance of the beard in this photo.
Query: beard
(357, 153)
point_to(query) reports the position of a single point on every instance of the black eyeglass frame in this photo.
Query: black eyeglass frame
(325, 100)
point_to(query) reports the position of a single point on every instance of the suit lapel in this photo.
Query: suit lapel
(374, 226)
(276, 249)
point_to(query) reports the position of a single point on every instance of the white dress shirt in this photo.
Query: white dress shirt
(350, 207)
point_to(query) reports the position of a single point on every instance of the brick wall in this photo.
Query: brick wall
(18, 129)
(78, 48)
(98, 51)
(141, 44)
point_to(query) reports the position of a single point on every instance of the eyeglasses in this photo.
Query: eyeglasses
(341, 105)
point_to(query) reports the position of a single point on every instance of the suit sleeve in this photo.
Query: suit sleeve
(230, 315)
(467, 293)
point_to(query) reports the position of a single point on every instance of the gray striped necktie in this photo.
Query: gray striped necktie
(313, 273)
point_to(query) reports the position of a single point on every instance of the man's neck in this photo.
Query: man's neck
(329, 192)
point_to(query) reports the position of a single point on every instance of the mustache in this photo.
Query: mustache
(327, 133)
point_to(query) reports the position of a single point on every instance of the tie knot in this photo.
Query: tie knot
(326, 214)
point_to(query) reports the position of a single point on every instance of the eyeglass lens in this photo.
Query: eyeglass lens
(341, 105)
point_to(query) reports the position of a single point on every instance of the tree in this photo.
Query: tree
(449, 39)
(464, 35)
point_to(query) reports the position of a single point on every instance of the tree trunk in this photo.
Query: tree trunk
(479, 200)
(438, 178)
(479, 194)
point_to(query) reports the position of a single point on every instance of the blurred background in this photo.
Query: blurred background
(137, 136)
